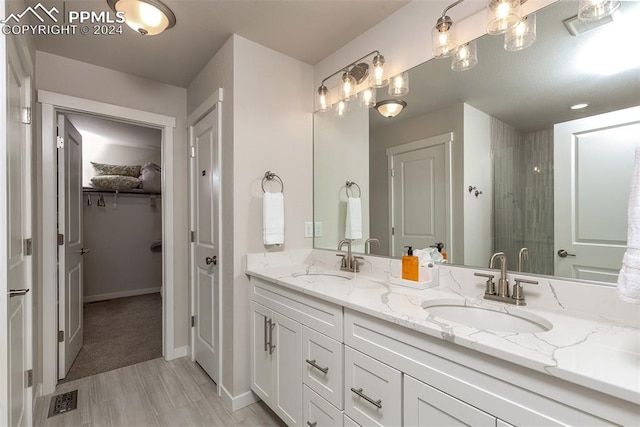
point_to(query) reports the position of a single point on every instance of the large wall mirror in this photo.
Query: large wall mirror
(493, 158)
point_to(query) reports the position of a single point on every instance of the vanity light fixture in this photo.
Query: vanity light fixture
(465, 57)
(522, 35)
(442, 40)
(594, 10)
(502, 15)
(399, 85)
(390, 108)
(148, 17)
(354, 75)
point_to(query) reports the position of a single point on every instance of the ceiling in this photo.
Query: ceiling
(532, 89)
(308, 30)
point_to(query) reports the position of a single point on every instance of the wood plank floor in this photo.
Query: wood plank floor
(152, 393)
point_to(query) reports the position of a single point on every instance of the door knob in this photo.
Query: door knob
(17, 292)
(84, 251)
(563, 254)
(211, 260)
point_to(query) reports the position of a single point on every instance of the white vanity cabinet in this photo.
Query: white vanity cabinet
(276, 372)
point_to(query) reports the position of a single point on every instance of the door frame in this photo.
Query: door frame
(447, 140)
(52, 104)
(213, 101)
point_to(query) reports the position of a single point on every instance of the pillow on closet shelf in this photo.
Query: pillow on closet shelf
(115, 182)
(103, 169)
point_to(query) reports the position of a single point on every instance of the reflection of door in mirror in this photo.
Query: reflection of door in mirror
(594, 156)
(419, 191)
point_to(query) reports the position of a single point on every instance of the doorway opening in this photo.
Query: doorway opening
(110, 217)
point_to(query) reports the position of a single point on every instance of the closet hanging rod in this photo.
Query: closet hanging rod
(270, 176)
(134, 191)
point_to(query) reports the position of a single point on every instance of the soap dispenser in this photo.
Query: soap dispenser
(410, 265)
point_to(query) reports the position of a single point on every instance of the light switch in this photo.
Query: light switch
(318, 229)
(308, 229)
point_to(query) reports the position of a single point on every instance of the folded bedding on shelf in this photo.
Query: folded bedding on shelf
(151, 178)
(115, 182)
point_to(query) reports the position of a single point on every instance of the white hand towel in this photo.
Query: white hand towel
(629, 277)
(273, 218)
(353, 224)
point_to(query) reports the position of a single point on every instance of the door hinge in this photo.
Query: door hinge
(193, 321)
(28, 247)
(193, 236)
(60, 336)
(393, 231)
(60, 239)
(192, 152)
(28, 378)
(26, 115)
(59, 142)
(393, 172)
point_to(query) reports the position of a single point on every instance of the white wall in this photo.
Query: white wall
(266, 125)
(340, 145)
(75, 78)
(121, 263)
(478, 221)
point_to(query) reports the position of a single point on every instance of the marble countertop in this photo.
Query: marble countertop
(583, 347)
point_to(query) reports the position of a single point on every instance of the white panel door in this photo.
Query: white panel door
(262, 382)
(424, 405)
(419, 198)
(287, 359)
(16, 300)
(70, 252)
(205, 251)
(592, 180)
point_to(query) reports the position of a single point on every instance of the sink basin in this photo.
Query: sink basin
(327, 273)
(515, 320)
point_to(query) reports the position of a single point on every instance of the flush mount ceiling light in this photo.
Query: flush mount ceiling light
(353, 77)
(390, 108)
(148, 17)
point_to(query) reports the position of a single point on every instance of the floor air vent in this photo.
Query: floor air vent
(63, 403)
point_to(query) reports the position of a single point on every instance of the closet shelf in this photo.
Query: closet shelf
(132, 191)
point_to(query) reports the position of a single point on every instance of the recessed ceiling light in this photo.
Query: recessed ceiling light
(580, 106)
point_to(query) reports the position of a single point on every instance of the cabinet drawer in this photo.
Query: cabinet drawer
(318, 412)
(320, 315)
(372, 390)
(427, 406)
(323, 366)
(348, 422)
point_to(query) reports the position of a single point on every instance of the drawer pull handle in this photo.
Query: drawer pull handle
(312, 424)
(318, 367)
(376, 403)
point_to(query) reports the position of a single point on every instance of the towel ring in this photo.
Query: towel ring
(270, 176)
(349, 185)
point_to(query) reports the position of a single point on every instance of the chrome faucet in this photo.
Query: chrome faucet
(367, 244)
(502, 292)
(503, 282)
(523, 256)
(349, 262)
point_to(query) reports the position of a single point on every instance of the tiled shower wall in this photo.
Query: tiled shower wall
(523, 195)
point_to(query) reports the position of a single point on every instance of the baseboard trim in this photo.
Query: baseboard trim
(179, 352)
(36, 395)
(123, 294)
(238, 402)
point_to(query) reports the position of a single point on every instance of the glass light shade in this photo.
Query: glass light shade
(148, 17)
(522, 35)
(502, 15)
(399, 85)
(378, 78)
(341, 108)
(347, 88)
(593, 10)
(465, 58)
(323, 98)
(368, 97)
(390, 108)
(442, 41)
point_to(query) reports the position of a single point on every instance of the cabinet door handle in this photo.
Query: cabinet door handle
(266, 341)
(312, 424)
(318, 367)
(376, 403)
(17, 292)
(271, 346)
